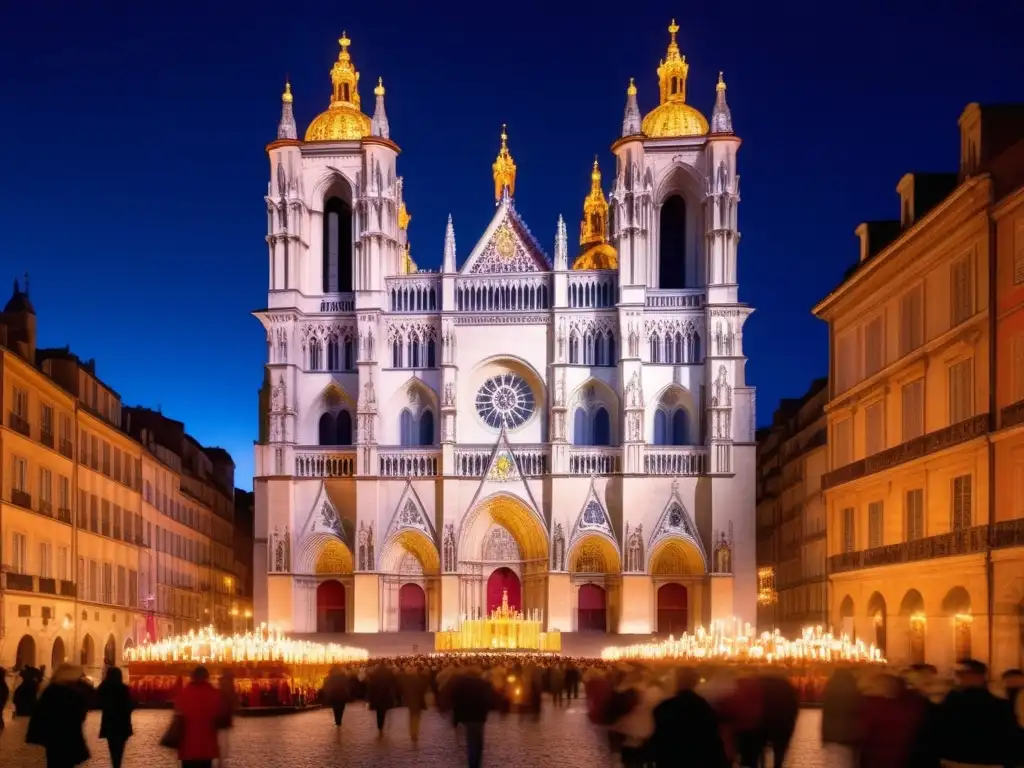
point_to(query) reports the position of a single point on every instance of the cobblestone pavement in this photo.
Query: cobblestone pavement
(562, 737)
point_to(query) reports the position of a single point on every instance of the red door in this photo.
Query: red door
(673, 613)
(592, 609)
(504, 579)
(412, 608)
(330, 606)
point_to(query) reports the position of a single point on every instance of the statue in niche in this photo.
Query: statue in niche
(448, 549)
(558, 549)
(635, 391)
(282, 346)
(278, 551)
(635, 549)
(723, 552)
(369, 395)
(723, 393)
(277, 397)
(363, 539)
(560, 391)
(561, 340)
(449, 395)
(634, 427)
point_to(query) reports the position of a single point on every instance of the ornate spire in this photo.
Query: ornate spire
(593, 228)
(721, 117)
(561, 246)
(631, 117)
(448, 263)
(286, 126)
(343, 120)
(673, 70)
(379, 126)
(344, 77)
(504, 169)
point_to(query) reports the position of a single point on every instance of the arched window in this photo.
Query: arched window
(602, 427)
(679, 431)
(343, 432)
(349, 354)
(333, 356)
(599, 349)
(431, 353)
(660, 427)
(396, 354)
(588, 348)
(413, 355)
(580, 428)
(426, 428)
(611, 348)
(655, 348)
(327, 429)
(680, 358)
(670, 349)
(337, 246)
(315, 355)
(407, 426)
(574, 348)
(672, 244)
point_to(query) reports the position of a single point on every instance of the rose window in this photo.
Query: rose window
(505, 400)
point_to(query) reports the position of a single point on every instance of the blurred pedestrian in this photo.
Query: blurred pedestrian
(57, 720)
(116, 705)
(975, 727)
(201, 711)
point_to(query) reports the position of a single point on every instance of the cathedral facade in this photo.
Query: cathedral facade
(574, 430)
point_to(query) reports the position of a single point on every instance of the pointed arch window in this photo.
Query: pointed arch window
(671, 426)
(672, 243)
(655, 348)
(574, 348)
(333, 354)
(426, 430)
(431, 353)
(660, 427)
(414, 351)
(610, 337)
(343, 427)
(602, 427)
(415, 431)
(396, 354)
(327, 429)
(679, 427)
(580, 427)
(348, 355)
(407, 427)
(337, 261)
(315, 354)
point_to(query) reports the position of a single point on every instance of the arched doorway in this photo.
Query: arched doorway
(330, 606)
(110, 652)
(592, 609)
(500, 581)
(673, 609)
(672, 243)
(412, 608)
(847, 624)
(25, 656)
(912, 611)
(58, 655)
(877, 613)
(88, 651)
(957, 605)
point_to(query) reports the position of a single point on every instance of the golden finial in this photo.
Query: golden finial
(672, 29)
(344, 42)
(379, 90)
(631, 90)
(504, 136)
(721, 82)
(504, 168)
(286, 97)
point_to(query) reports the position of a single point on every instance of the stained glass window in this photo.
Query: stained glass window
(505, 400)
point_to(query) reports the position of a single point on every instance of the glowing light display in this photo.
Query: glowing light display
(729, 641)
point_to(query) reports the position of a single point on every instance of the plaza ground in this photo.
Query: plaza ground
(561, 737)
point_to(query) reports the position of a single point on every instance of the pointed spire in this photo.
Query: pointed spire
(504, 170)
(561, 246)
(448, 264)
(631, 117)
(379, 126)
(721, 117)
(286, 127)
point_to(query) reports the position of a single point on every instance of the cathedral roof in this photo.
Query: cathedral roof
(507, 246)
(344, 119)
(673, 116)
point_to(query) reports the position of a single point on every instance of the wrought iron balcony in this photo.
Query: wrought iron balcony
(46, 438)
(18, 423)
(21, 498)
(968, 541)
(19, 581)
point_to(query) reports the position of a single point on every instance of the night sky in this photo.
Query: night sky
(134, 168)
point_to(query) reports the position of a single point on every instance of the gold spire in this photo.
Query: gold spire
(673, 116)
(595, 250)
(343, 120)
(404, 217)
(504, 169)
(631, 90)
(721, 82)
(286, 97)
(379, 90)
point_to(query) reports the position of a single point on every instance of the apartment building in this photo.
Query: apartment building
(791, 461)
(912, 535)
(77, 536)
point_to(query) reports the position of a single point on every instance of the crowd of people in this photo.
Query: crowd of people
(654, 715)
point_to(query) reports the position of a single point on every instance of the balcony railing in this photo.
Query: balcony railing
(47, 586)
(676, 461)
(20, 581)
(409, 462)
(18, 423)
(21, 498)
(594, 461)
(503, 293)
(324, 462)
(46, 438)
(67, 448)
(474, 461)
(968, 541)
(666, 298)
(1012, 415)
(45, 508)
(593, 290)
(64, 515)
(414, 293)
(933, 442)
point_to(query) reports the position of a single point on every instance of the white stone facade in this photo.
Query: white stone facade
(508, 412)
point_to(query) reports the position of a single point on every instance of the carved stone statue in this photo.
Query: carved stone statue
(723, 552)
(634, 392)
(558, 549)
(369, 395)
(278, 396)
(723, 392)
(450, 563)
(635, 549)
(449, 395)
(365, 548)
(560, 391)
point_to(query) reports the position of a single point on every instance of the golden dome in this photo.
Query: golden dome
(673, 116)
(504, 169)
(595, 252)
(600, 256)
(343, 120)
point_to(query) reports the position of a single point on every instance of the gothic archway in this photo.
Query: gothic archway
(412, 606)
(88, 651)
(57, 655)
(504, 581)
(25, 656)
(591, 609)
(110, 652)
(676, 555)
(330, 606)
(673, 609)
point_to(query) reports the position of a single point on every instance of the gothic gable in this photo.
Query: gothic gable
(410, 515)
(592, 518)
(504, 474)
(507, 247)
(324, 517)
(675, 520)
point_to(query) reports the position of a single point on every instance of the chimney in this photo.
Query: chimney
(905, 189)
(875, 236)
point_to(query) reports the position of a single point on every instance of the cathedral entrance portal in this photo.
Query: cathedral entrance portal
(412, 608)
(501, 580)
(592, 610)
(673, 609)
(330, 606)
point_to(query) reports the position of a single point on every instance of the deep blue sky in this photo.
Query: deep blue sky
(134, 170)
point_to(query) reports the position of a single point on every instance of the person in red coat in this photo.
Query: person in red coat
(203, 712)
(891, 720)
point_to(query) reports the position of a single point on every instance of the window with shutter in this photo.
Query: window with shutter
(913, 410)
(849, 541)
(961, 391)
(961, 291)
(842, 451)
(875, 524)
(846, 361)
(961, 511)
(874, 347)
(915, 514)
(874, 423)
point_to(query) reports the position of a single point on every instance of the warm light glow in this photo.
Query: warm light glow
(265, 644)
(731, 641)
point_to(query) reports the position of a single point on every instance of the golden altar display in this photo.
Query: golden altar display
(505, 629)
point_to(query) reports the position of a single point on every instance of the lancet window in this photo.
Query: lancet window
(336, 429)
(671, 426)
(592, 427)
(672, 244)
(340, 353)
(675, 343)
(592, 345)
(337, 261)
(416, 430)
(413, 346)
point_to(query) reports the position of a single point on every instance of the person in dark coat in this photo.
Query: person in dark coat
(778, 717)
(116, 705)
(473, 698)
(5, 694)
(974, 725)
(687, 718)
(381, 693)
(56, 723)
(413, 686)
(27, 692)
(337, 693)
(841, 716)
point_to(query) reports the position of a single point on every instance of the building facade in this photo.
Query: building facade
(914, 532)
(82, 543)
(576, 431)
(791, 461)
